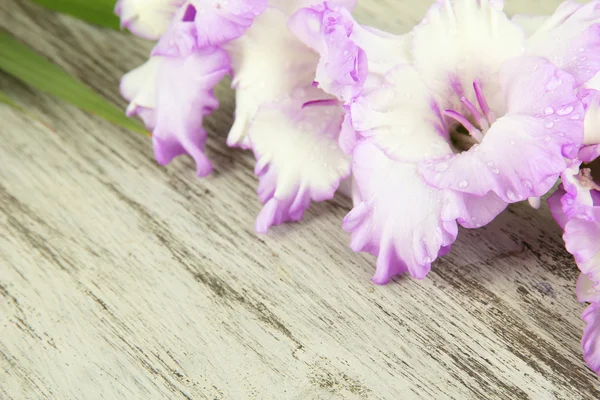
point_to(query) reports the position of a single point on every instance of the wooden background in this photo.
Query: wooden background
(120, 279)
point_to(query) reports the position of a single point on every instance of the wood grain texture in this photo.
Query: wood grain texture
(120, 279)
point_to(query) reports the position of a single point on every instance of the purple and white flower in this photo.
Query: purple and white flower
(455, 133)
(292, 127)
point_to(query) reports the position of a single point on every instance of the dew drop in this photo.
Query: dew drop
(549, 111)
(549, 125)
(490, 164)
(548, 139)
(512, 142)
(496, 171)
(565, 110)
(427, 260)
(581, 49)
(463, 184)
(512, 195)
(345, 52)
(527, 184)
(575, 116)
(553, 83)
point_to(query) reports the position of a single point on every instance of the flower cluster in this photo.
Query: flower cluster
(444, 126)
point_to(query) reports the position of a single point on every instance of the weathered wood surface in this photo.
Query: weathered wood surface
(120, 279)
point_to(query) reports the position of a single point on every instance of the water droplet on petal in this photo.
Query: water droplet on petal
(548, 138)
(527, 184)
(581, 49)
(575, 116)
(496, 171)
(427, 260)
(549, 125)
(549, 111)
(463, 184)
(565, 110)
(512, 195)
(490, 164)
(553, 83)
(512, 142)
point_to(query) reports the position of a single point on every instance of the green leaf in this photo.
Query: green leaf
(5, 99)
(23, 63)
(97, 12)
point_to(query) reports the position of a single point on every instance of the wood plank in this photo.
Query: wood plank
(123, 279)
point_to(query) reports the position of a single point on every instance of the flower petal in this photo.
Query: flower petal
(147, 18)
(523, 153)
(344, 47)
(556, 208)
(219, 21)
(590, 342)
(570, 39)
(172, 95)
(398, 219)
(269, 63)
(583, 241)
(586, 293)
(529, 23)
(298, 159)
(450, 49)
(403, 221)
(139, 88)
(591, 102)
(289, 7)
(402, 118)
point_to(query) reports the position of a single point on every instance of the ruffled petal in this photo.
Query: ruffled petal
(523, 153)
(579, 215)
(586, 291)
(345, 46)
(181, 39)
(172, 95)
(269, 63)
(139, 88)
(556, 208)
(399, 217)
(298, 159)
(219, 21)
(582, 238)
(570, 39)
(451, 49)
(590, 342)
(147, 18)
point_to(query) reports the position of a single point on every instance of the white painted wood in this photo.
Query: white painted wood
(120, 279)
